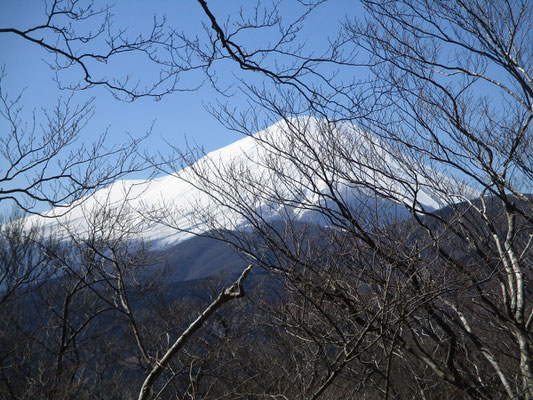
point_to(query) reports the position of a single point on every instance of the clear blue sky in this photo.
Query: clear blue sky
(177, 115)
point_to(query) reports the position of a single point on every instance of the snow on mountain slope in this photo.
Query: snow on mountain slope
(281, 172)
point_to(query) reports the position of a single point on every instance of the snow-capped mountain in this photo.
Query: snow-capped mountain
(290, 170)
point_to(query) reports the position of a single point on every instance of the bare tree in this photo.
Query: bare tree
(92, 315)
(443, 132)
(81, 36)
(44, 164)
(85, 331)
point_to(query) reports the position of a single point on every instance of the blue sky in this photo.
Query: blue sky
(177, 116)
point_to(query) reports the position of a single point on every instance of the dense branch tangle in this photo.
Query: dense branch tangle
(416, 283)
(448, 91)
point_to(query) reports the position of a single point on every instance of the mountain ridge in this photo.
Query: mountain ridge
(169, 209)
